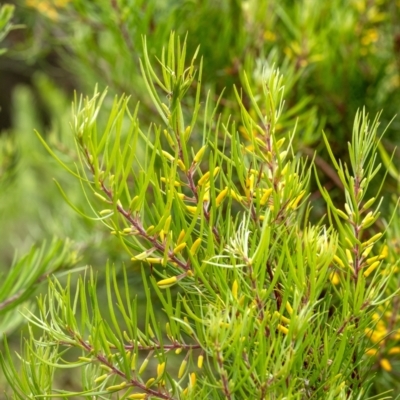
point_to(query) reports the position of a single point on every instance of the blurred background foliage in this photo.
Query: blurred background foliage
(336, 57)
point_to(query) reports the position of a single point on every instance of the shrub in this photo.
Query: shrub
(246, 296)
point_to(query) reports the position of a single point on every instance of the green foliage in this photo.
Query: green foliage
(221, 265)
(26, 274)
(246, 297)
(6, 13)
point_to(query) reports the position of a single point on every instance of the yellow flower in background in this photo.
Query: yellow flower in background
(269, 36)
(385, 364)
(48, 7)
(334, 278)
(370, 36)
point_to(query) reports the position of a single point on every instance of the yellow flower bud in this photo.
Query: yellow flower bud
(283, 329)
(141, 256)
(181, 236)
(166, 109)
(342, 214)
(154, 260)
(192, 378)
(297, 200)
(371, 268)
(143, 366)
(282, 318)
(394, 350)
(250, 182)
(166, 181)
(182, 369)
(221, 196)
(289, 308)
(200, 361)
(116, 387)
(187, 132)
(204, 178)
(385, 364)
(206, 195)
(369, 218)
(149, 382)
(348, 241)
(372, 260)
(181, 165)
(373, 239)
(133, 362)
(367, 251)
(167, 155)
(285, 169)
(280, 142)
(99, 196)
(137, 396)
(371, 352)
(265, 196)
(105, 212)
(338, 260)
(169, 138)
(167, 223)
(368, 204)
(235, 287)
(100, 378)
(335, 278)
(384, 252)
(85, 359)
(347, 208)
(195, 246)
(179, 248)
(192, 209)
(164, 283)
(199, 155)
(236, 196)
(349, 257)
